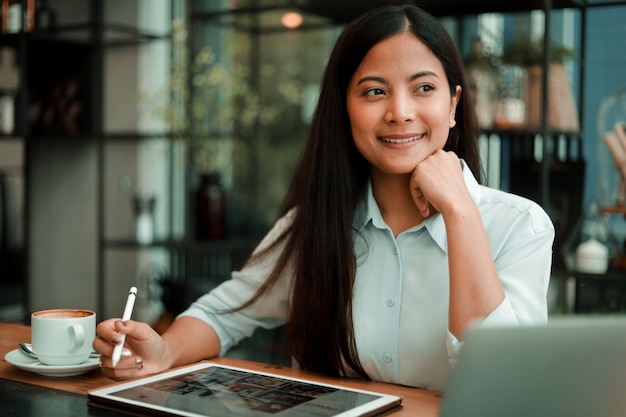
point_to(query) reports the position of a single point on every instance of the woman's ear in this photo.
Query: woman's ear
(455, 100)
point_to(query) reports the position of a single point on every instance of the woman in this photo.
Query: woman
(387, 247)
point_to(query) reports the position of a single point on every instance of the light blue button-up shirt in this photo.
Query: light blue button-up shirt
(401, 289)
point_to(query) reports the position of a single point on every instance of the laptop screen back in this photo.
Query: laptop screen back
(574, 367)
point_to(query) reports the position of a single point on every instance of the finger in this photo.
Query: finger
(113, 338)
(105, 346)
(102, 346)
(123, 326)
(127, 327)
(135, 329)
(420, 201)
(423, 206)
(107, 329)
(125, 369)
(127, 361)
(108, 358)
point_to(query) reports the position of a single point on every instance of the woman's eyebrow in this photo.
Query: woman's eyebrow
(423, 74)
(384, 81)
(372, 78)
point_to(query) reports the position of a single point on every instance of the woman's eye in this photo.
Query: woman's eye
(426, 88)
(374, 92)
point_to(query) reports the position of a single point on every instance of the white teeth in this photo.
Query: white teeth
(401, 140)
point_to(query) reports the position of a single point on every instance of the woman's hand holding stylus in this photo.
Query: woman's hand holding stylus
(144, 352)
(187, 340)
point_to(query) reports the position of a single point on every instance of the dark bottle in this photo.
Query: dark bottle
(45, 17)
(210, 204)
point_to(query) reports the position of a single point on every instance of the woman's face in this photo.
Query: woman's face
(399, 104)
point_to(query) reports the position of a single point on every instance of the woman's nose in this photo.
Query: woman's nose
(401, 110)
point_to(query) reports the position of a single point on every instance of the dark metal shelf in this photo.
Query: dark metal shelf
(345, 10)
(339, 12)
(523, 131)
(218, 245)
(139, 136)
(82, 33)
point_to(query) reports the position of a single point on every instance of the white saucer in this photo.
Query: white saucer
(18, 359)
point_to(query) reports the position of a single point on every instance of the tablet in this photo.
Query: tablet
(208, 389)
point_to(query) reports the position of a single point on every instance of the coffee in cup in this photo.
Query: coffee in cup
(63, 336)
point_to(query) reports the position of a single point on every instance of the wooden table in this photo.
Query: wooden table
(416, 402)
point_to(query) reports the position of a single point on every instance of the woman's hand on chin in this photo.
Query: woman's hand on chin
(438, 181)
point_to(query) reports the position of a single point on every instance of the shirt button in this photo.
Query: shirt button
(395, 251)
(389, 302)
(387, 357)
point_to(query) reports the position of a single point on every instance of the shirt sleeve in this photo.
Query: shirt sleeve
(524, 264)
(214, 308)
(501, 315)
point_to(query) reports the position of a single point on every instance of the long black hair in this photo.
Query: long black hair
(318, 246)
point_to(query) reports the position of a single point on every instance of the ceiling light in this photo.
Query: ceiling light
(291, 20)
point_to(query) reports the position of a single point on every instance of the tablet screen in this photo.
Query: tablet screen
(216, 390)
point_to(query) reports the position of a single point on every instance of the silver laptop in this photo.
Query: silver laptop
(571, 367)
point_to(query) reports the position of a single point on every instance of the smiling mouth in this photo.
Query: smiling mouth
(406, 140)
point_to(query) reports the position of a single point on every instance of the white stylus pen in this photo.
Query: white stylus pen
(128, 311)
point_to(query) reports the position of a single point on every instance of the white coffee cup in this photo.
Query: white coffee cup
(63, 336)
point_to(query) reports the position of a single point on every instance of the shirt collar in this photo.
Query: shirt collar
(367, 210)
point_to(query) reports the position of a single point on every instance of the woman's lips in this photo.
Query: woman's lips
(402, 140)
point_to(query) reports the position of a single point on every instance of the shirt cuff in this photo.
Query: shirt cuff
(501, 315)
(452, 346)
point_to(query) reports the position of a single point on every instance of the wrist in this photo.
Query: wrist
(169, 357)
(460, 209)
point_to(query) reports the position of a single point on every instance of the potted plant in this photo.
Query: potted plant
(528, 54)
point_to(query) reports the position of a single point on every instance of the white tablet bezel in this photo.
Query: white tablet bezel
(106, 397)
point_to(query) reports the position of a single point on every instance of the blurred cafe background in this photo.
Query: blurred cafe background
(150, 142)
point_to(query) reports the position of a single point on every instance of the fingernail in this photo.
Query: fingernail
(116, 339)
(126, 353)
(138, 361)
